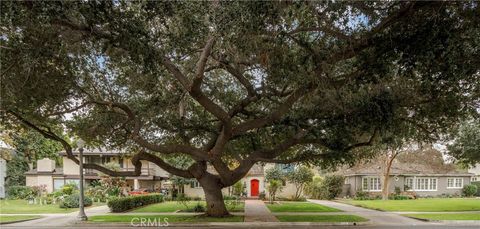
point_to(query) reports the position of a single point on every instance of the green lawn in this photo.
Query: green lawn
(320, 218)
(172, 206)
(22, 207)
(288, 206)
(162, 218)
(14, 218)
(459, 216)
(420, 205)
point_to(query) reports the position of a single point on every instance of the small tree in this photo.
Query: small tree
(238, 188)
(273, 187)
(333, 185)
(315, 189)
(300, 176)
(275, 173)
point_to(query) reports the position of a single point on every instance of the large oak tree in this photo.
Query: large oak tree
(231, 84)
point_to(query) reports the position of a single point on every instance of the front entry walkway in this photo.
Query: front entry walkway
(375, 217)
(256, 211)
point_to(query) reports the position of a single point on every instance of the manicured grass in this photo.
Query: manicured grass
(14, 218)
(299, 207)
(420, 205)
(162, 218)
(320, 218)
(459, 216)
(22, 207)
(172, 206)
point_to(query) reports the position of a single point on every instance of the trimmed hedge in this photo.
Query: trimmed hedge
(121, 204)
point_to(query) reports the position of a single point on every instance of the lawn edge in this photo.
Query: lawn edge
(19, 221)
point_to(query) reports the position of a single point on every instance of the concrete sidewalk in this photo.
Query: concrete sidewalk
(256, 211)
(59, 220)
(375, 217)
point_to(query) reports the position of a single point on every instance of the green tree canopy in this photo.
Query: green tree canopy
(466, 146)
(230, 84)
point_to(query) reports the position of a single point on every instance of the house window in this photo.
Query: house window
(426, 184)
(409, 183)
(371, 184)
(195, 184)
(365, 183)
(58, 184)
(454, 182)
(474, 178)
(74, 181)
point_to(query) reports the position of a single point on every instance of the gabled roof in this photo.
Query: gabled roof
(427, 162)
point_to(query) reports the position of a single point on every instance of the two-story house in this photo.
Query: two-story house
(53, 177)
(152, 177)
(254, 183)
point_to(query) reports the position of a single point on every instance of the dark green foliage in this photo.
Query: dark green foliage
(466, 147)
(198, 207)
(20, 192)
(399, 197)
(477, 183)
(121, 204)
(327, 187)
(73, 201)
(361, 195)
(333, 186)
(275, 173)
(469, 190)
(16, 168)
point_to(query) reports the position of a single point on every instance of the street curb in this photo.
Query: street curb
(226, 224)
(448, 222)
(19, 221)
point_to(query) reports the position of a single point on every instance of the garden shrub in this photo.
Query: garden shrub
(230, 197)
(399, 197)
(73, 201)
(477, 183)
(199, 207)
(327, 187)
(20, 192)
(361, 195)
(69, 188)
(121, 204)
(197, 198)
(333, 186)
(231, 202)
(262, 195)
(469, 190)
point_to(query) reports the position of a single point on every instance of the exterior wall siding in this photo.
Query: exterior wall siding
(355, 183)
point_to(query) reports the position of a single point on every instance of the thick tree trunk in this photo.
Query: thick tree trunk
(213, 196)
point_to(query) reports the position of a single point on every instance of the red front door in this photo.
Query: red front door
(254, 187)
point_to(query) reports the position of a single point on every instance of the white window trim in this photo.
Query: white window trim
(368, 184)
(414, 188)
(454, 182)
